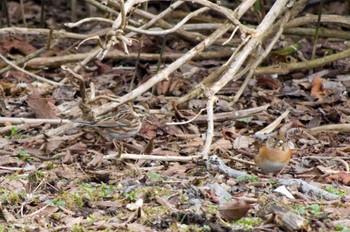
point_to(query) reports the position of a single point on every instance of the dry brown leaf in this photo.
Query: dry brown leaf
(316, 87)
(338, 211)
(71, 221)
(96, 161)
(19, 44)
(243, 142)
(9, 161)
(9, 217)
(53, 144)
(64, 93)
(68, 158)
(178, 87)
(193, 129)
(177, 169)
(39, 105)
(149, 147)
(189, 150)
(269, 83)
(222, 144)
(341, 176)
(234, 210)
(106, 204)
(77, 148)
(148, 130)
(230, 133)
(43, 209)
(172, 130)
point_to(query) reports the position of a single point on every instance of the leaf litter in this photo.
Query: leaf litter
(79, 181)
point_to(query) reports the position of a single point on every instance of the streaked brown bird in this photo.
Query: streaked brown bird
(123, 123)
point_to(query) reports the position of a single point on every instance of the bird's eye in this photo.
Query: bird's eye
(140, 109)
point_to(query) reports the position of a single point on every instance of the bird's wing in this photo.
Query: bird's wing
(112, 123)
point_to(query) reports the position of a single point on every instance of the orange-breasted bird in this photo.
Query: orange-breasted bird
(273, 156)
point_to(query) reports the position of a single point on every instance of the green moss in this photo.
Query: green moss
(36, 177)
(130, 196)
(14, 133)
(78, 200)
(247, 179)
(300, 210)
(153, 213)
(24, 156)
(212, 209)
(14, 199)
(153, 176)
(49, 165)
(313, 209)
(57, 216)
(78, 228)
(149, 193)
(334, 190)
(96, 192)
(248, 222)
(68, 200)
(342, 228)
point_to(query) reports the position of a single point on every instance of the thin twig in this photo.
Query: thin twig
(234, 115)
(344, 128)
(261, 57)
(269, 128)
(186, 122)
(163, 75)
(28, 73)
(173, 29)
(157, 158)
(210, 130)
(33, 120)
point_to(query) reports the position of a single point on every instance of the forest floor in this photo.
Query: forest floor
(80, 180)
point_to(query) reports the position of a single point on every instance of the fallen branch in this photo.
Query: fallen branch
(210, 130)
(57, 61)
(34, 120)
(154, 157)
(219, 117)
(344, 128)
(216, 164)
(283, 68)
(39, 78)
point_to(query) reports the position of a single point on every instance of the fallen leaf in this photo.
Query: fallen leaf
(269, 83)
(149, 147)
(242, 142)
(316, 87)
(341, 176)
(39, 105)
(53, 144)
(234, 209)
(222, 144)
